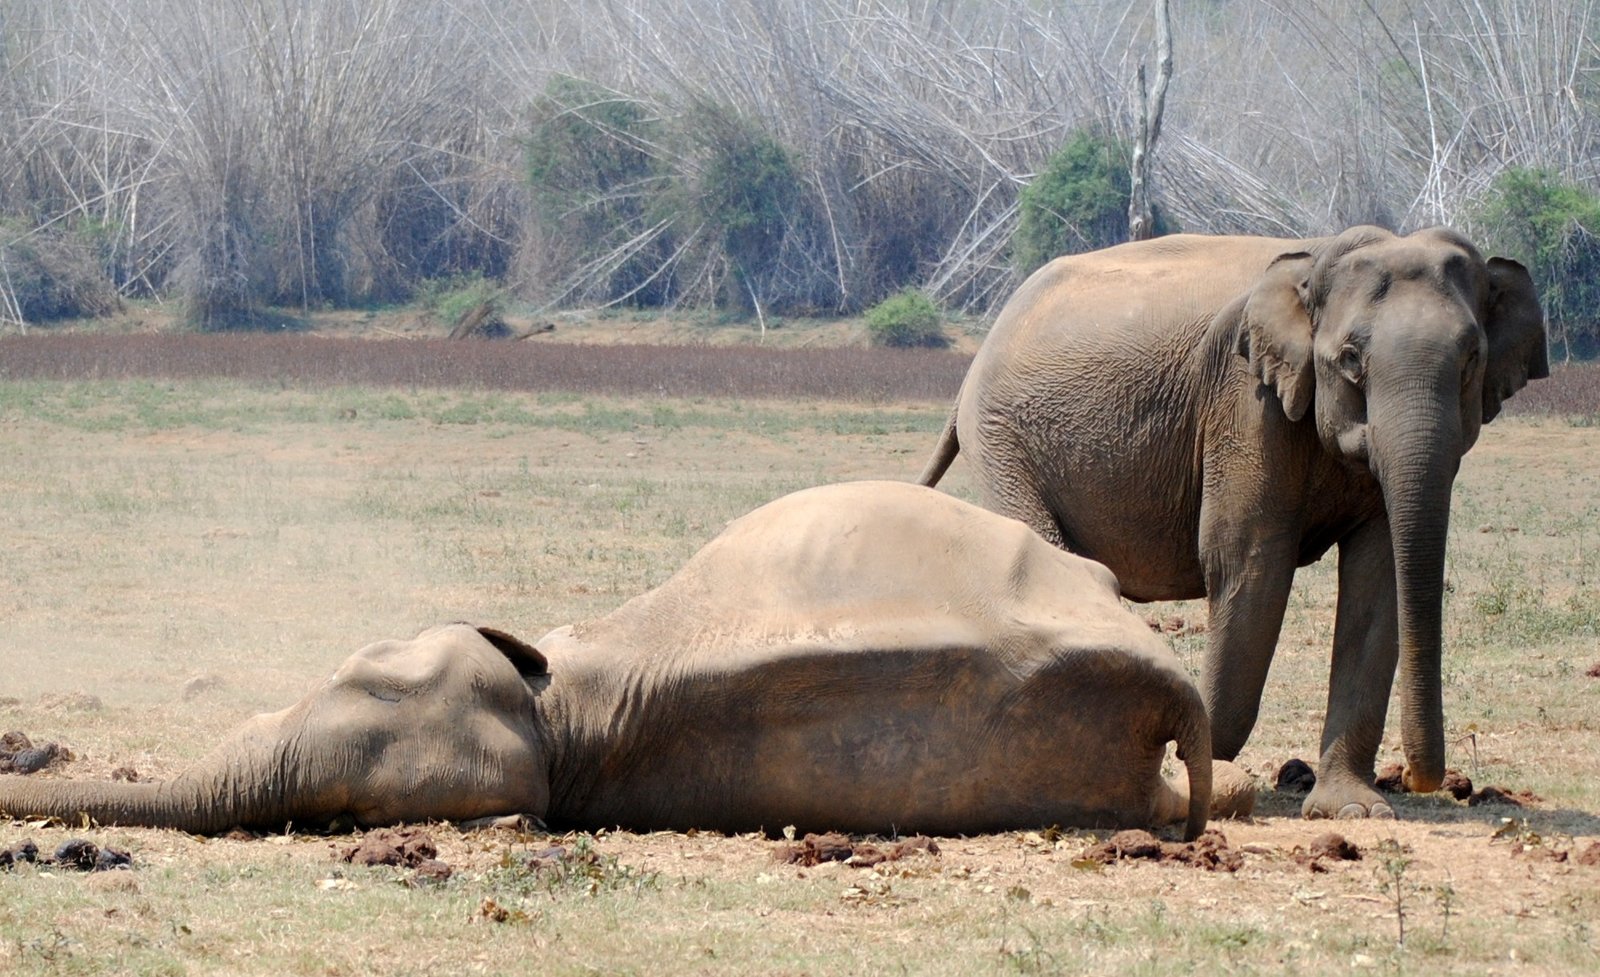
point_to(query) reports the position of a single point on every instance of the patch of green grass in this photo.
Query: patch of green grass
(219, 405)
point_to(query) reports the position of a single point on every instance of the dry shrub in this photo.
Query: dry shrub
(307, 153)
(52, 273)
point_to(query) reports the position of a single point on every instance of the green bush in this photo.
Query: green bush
(907, 319)
(450, 301)
(53, 273)
(1552, 225)
(1079, 203)
(596, 185)
(749, 187)
(752, 193)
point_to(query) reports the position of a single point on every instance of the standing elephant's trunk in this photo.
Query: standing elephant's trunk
(1416, 445)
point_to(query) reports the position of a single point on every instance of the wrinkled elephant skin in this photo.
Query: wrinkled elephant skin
(864, 657)
(1205, 414)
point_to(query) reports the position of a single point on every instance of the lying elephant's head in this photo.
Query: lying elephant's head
(1399, 348)
(440, 726)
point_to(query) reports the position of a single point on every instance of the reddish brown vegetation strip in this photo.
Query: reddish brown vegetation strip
(1572, 390)
(670, 371)
(679, 371)
(1210, 851)
(815, 849)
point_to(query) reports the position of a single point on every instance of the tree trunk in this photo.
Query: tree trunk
(1141, 215)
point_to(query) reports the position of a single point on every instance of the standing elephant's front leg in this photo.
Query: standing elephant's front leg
(1365, 650)
(1249, 571)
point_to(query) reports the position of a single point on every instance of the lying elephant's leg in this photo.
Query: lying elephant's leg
(440, 727)
(1233, 794)
(1366, 647)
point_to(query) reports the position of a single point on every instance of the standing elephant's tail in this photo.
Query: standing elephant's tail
(943, 453)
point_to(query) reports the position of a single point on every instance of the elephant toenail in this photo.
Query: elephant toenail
(1350, 811)
(1383, 812)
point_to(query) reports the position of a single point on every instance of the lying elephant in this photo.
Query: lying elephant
(866, 657)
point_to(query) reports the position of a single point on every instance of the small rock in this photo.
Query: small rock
(200, 685)
(433, 870)
(1296, 776)
(549, 858)
(1457, 784)
(1334, 846)
(1503, 795)
(373, 851)
(70, 702)
(76, 853)
(25, 852)
(1392, 778)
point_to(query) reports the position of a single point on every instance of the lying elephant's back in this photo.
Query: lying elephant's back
(870, 656)
(869, 563)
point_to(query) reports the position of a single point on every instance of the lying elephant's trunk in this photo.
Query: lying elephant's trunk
(179, 804)
(241, 783)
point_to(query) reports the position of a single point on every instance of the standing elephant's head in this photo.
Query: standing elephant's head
(1400, 348)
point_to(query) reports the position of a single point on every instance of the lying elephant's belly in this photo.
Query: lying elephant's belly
(949, 741)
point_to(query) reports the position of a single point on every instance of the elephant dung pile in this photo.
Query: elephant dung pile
(1297, 776)
(19, 755)
(815, 849)
(1210, 851)
(408, 847)
(75, 853)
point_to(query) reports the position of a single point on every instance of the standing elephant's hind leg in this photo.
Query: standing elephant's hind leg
(1015, 496)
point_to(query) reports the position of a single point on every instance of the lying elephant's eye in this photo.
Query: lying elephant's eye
(1350, 363)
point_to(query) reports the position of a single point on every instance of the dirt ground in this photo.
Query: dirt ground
(167, 578)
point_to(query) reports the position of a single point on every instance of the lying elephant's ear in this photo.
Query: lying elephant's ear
(524, 656)
(1514, 325)
(1275, 332)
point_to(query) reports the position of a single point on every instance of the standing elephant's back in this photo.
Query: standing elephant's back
(1085, 403)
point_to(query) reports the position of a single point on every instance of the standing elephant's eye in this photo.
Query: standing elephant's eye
(1350, 364)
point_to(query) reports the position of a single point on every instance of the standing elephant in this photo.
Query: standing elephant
(1205, 414)
(865, 657)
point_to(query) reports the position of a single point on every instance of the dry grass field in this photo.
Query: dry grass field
(182, 553)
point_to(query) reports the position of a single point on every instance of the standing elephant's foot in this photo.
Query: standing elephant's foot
(1345, 796)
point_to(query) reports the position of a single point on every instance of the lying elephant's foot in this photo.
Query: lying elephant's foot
(1345, 797)
(1233, 791)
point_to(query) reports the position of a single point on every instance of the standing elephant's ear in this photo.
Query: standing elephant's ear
(1275, 332)
(1514, 326)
